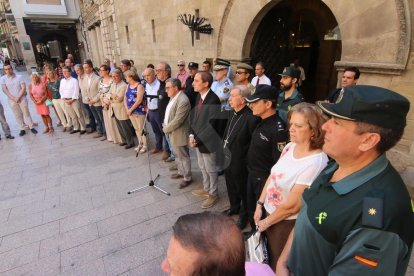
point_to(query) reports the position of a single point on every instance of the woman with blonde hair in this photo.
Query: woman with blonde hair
(299, 164)
(38, 94)
(136, 106)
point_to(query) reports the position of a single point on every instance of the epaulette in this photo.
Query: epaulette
(373, 212)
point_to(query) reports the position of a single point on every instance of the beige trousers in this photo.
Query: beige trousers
(64, 117)
(21, 110)
(112, 132)
(138, 123)
(75, 113)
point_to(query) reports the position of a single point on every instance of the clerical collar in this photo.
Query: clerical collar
(240, 111)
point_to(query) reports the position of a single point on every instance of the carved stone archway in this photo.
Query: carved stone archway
(379, 46)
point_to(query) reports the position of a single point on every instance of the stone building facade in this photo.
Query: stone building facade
(327, 35)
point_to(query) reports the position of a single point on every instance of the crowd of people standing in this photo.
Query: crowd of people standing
(268, 142)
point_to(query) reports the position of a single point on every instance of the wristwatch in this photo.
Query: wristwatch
(260, 203)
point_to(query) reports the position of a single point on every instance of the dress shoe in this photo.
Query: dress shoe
(82, 132)
(209, 202)
(74, 131)
(169, 159)
(123, 144)
(241, 222)
(9, 136)
(33, 130)
(165, 155)
(154, 151)
(22, 132)
(230, 212)
(176, 176)
(184, 183)
(98, 135)
(200, 192)
(129, 146)
(173, 168)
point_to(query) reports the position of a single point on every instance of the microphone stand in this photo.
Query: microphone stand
(151, 182)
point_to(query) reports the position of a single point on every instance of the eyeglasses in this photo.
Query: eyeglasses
(180, 64)
(240, 72)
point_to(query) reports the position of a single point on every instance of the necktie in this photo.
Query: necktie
(257, 82)
(199, 104)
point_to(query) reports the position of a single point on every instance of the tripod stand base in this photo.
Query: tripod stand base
(150, 184)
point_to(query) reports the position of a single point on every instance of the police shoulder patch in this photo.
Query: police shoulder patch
(281, 146)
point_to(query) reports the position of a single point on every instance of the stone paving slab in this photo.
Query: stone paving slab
(64, 207)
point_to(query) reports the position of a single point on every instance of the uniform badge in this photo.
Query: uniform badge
(281, 146)
(366, 261)
(372, 212)
(321, 217)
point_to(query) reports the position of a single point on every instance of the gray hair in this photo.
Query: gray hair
(79, 66)
(174, 82)
(167, 67)
(243, 90)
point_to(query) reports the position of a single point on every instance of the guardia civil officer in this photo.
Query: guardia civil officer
(356, 218)
(267, 142)
(289, 94)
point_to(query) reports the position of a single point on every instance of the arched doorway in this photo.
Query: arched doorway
(303, 29)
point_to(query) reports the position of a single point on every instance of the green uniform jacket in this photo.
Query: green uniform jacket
(360, 225)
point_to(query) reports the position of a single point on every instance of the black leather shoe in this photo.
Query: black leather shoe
(74, 131)
(33, 130)
(230, 212)
(22, 132)
(9, 136)
(129, 146)
(122, 144)
(82, 132)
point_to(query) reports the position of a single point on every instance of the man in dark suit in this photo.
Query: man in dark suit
(349, 78)
(204, 136)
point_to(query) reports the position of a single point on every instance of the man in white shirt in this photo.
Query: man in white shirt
(69, 92)
(15, 89)
(151, 88)
(260, 77)
(176, 127)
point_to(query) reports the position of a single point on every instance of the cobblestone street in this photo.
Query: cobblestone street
(64, 207)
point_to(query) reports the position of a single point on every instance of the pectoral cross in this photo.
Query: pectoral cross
(225, 143)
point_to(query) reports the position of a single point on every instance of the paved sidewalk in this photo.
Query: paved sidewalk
(64, 207)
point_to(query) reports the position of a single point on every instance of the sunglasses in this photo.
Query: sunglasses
(180, 64)
(240, 72)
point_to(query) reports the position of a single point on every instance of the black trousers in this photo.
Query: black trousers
(236, 183)
(255, 184)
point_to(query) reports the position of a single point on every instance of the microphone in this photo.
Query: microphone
(160, 97)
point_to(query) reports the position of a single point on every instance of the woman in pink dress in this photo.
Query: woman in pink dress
(38, 93)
